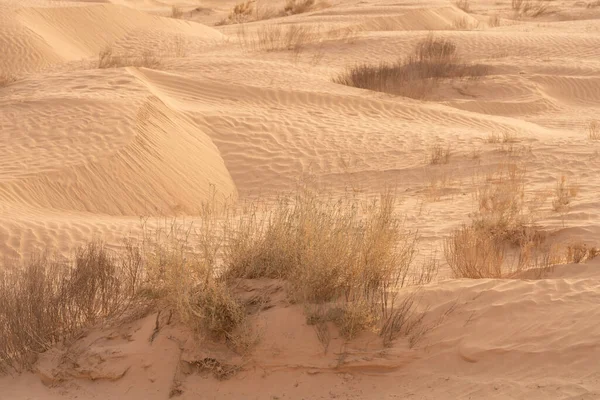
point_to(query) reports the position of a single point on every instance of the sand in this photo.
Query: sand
(84, 152)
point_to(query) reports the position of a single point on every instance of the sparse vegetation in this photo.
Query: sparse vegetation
(275, 37)
(298, 6)
(50, 300)
(504, 137)
(494, 21)
(564, 193)
(439, 154)
(502, 238)
(594, 130)
(346, 256)
(530, 8)
(108, 58)
(329, 255)
(416, 76)
(176, 12)
(247, 11)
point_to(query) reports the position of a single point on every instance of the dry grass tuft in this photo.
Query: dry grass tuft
(48, 301)
(505, 137)
(342, 255)
(416, 76)
(502, 239)
(530, 8)
(241, 13)
(494, 21)
(594, 130)
(439, 154)
(108, 58)
(464, 5)
(176, 12)
(298, 6)
(275, 37)
(474, 254)
(564, 193)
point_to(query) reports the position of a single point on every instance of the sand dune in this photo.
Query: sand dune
(84, 152)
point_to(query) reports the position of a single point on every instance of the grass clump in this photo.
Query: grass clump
(340, 254)
(298, 6)
(48, 301)
(108, 58)
(176, 12)
(530, 8)
(433, 61)
(594, 130)
(502, 238)
(564, 192)
(439, 154)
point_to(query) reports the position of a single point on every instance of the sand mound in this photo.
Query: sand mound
(134, 157)
(483, 340)
(34, 38)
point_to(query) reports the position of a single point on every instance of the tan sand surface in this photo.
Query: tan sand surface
(84, 152)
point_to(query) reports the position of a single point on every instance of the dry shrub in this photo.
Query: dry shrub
(276, 37)
(108, 58)
(181, 264)
(502, 239)
(501, 203)
(464, 5)
(176, 12)
(416, 76)
(494, 21)
(504, 137)
(473, 253)
(530, 8)
(298, 6)
(346, 255)
(564, 192)
(6, 79)
(439, 154)
(241, 13)
(49, 300)
(594, 130)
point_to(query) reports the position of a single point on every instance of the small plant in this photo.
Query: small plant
(48, 300)
(494, 21)
(298, 6)
(473, 253)
(594, 130)
(504, 137)
(433, 60)
(107, 58)
(176, 12)
(564, 194)
(530, 8)
(464, 5)
(439, 154)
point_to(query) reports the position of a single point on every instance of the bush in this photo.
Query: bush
(48, 300)
(329, 251)
(107, 58)
(433, 60)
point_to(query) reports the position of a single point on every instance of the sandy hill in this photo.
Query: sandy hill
(112, 110)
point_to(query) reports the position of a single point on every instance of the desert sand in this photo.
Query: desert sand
(84, 152)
